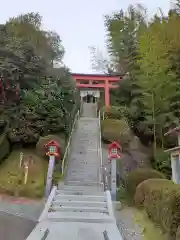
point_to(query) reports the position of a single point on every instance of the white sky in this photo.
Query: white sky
(79, 23)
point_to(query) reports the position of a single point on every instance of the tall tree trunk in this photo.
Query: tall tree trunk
(162, 138)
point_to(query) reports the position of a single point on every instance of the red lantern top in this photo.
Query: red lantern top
(53, 148)
(114, 151)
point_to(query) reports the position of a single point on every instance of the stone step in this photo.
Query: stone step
(80, 198)
(79, 203)
(82, 165)
(85, 217)
(72, 182)
(78, 209)
(73, 178)
(90, 178)
(80, 187)
(80, 192)
(72, 187)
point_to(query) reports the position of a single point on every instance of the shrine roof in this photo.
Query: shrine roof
(97, 75)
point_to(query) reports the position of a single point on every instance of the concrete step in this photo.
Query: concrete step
(85, 217)
(79, 183)
(78, 209)
(62, 186)
(80, 198)
(79, 203)
(79, 192)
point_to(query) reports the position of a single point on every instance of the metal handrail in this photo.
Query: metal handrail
(69, 142)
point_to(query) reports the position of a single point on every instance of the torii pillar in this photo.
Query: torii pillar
(107, 94)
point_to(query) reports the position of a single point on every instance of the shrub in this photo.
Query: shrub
(162, 204)
(44, 140)
(143, 187)
(116, 130)
(4, 147)
(114, 112)
(136, 177)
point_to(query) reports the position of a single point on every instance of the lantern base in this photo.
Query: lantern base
(52, 154)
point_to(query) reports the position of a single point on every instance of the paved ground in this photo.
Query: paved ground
(30, 210)
(17, 219)
(14, 227)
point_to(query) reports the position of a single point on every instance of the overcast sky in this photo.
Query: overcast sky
(80, 23)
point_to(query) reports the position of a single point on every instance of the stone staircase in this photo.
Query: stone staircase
(79, 209)
(84, 161)
(78, 213)
(79, 204)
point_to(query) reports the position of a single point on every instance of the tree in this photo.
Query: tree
(122, 35)
(99, 62)
(35, 99)
(148, 54)
(57, 50)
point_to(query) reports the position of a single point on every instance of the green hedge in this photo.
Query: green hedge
(143, 188)
(114, 112)
(138, 176)
(162, 204)
(116, 130)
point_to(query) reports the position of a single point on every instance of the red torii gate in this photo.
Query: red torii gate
(97, 81)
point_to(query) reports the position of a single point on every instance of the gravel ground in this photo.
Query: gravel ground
(129, 230)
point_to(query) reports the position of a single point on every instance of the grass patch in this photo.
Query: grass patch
(12, 179)
(149, 229)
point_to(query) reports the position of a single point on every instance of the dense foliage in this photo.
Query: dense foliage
(35, 98)
(147, 52)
